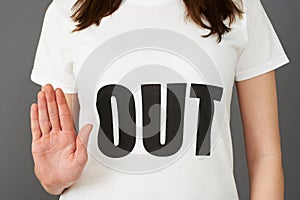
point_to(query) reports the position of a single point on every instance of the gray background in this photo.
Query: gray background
(19, 32)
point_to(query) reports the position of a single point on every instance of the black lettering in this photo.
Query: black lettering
(207, 94)
(126, 113)
(151, 95)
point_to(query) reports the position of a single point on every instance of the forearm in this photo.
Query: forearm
(266, 178)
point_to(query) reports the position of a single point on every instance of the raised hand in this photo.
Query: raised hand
(59, 154)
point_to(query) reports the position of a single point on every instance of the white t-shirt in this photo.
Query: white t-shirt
(158, 95)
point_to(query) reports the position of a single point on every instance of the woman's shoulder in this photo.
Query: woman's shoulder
(250, 5)
(61, 7)
(59, 13)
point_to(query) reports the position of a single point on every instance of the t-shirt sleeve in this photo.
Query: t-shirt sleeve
(51, 64)
(263, 51)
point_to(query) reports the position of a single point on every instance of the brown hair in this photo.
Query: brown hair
(88, 12)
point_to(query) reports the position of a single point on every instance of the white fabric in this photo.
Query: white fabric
(250, 49)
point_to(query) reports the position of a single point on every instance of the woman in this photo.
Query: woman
(170, 66)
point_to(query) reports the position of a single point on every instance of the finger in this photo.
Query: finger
(43, 113)
(81, 144)
(65, 117)
(34, 122)
(52, 107)
(84, 133)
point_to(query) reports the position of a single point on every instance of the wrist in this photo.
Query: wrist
(53, 189)
(52, 186)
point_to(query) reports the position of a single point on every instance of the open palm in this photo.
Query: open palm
(59, 154)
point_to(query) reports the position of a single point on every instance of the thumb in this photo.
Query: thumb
(84, 133)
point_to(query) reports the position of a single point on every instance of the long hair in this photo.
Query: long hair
(215, 12)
